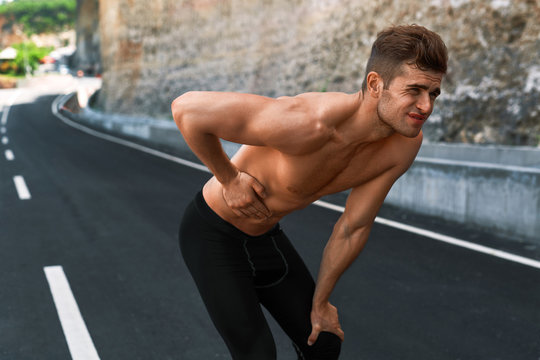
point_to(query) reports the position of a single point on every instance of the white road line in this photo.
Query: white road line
(126, 143)
(5, 140)
(7, 107)
(9, 155)
(443, 238)
(77, 336)
(22, 189)
(379, 220)
(5, 112)
(3, 130)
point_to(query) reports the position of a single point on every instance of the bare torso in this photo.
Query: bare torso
(293, 182)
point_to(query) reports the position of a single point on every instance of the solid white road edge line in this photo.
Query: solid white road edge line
(443, 238)
(22, 189)
(77, 336)
(379, 220)
(125, 142)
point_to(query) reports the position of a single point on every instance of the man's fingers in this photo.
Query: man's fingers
(241, 213)
(314, 335)
(253, 212)
(341, 334)
(259, 189)
(261, 208)
(259, 205)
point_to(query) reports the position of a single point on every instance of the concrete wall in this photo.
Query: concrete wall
(493, 154)
(502, 199)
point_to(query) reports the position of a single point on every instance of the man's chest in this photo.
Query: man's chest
(330, 170)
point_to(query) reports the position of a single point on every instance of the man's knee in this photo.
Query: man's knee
(327, 347)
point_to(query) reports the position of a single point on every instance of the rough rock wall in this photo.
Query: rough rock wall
(153, 51)
(88, 57)
(10, 33)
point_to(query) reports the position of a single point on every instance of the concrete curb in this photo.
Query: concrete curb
(499, 198)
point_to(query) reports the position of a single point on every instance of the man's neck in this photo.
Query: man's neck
(366, 124)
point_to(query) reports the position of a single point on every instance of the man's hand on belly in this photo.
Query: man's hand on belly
(243, 196)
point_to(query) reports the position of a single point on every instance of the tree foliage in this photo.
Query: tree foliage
(40, 16)
(28, 57)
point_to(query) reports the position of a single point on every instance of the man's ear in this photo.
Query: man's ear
(375, 84)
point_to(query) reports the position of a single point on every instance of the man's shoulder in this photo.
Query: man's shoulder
(328, 99)
(408, 148)
(404, 149)
(329, 108)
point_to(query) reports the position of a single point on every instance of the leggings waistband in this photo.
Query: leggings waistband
(219, 223)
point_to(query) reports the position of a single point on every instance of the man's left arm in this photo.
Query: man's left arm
(348, 238)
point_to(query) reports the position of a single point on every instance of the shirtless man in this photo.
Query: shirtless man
(296, 150)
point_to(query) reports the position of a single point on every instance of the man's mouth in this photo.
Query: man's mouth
(418, 116)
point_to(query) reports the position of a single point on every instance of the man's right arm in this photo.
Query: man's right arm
(205, 117)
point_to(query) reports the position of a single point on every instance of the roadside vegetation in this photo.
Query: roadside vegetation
(40, 16)
(27, 59)
(34, 17)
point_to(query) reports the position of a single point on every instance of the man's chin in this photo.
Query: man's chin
(410, 133)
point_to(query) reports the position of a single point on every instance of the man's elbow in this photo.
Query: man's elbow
(178, 107)
(354, 236)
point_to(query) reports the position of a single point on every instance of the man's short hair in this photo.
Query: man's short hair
(405, 44)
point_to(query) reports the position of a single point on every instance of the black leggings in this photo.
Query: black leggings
(236, 273)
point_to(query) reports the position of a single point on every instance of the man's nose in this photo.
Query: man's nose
(424, 104)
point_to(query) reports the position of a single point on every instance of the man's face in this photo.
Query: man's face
(409, 100)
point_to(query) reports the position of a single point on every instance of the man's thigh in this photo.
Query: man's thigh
(290, 301)
(224, 279)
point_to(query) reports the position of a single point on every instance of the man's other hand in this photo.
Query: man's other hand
(324, 318)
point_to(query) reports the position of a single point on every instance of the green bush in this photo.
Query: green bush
(27, 54)
(40, 16)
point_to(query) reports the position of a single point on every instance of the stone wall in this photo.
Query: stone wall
(10, 33)
(87, 57)
(153, 51)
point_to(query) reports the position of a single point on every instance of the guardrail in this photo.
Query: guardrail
(499, 198)
(503, 199)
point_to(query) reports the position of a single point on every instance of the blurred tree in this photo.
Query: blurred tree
(40, 16)
(27, 59)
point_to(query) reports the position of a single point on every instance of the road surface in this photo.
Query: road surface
(107, 216)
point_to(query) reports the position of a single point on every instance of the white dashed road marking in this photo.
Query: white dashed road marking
(77, 336)
(9, 155)
(22, 189)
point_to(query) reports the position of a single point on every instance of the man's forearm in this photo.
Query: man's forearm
(340, 252)
(205, 145)
(208, 149)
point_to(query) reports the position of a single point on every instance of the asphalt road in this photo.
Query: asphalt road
(109, 215)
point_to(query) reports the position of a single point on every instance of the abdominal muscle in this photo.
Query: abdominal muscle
(294, 182)
(262, 164)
